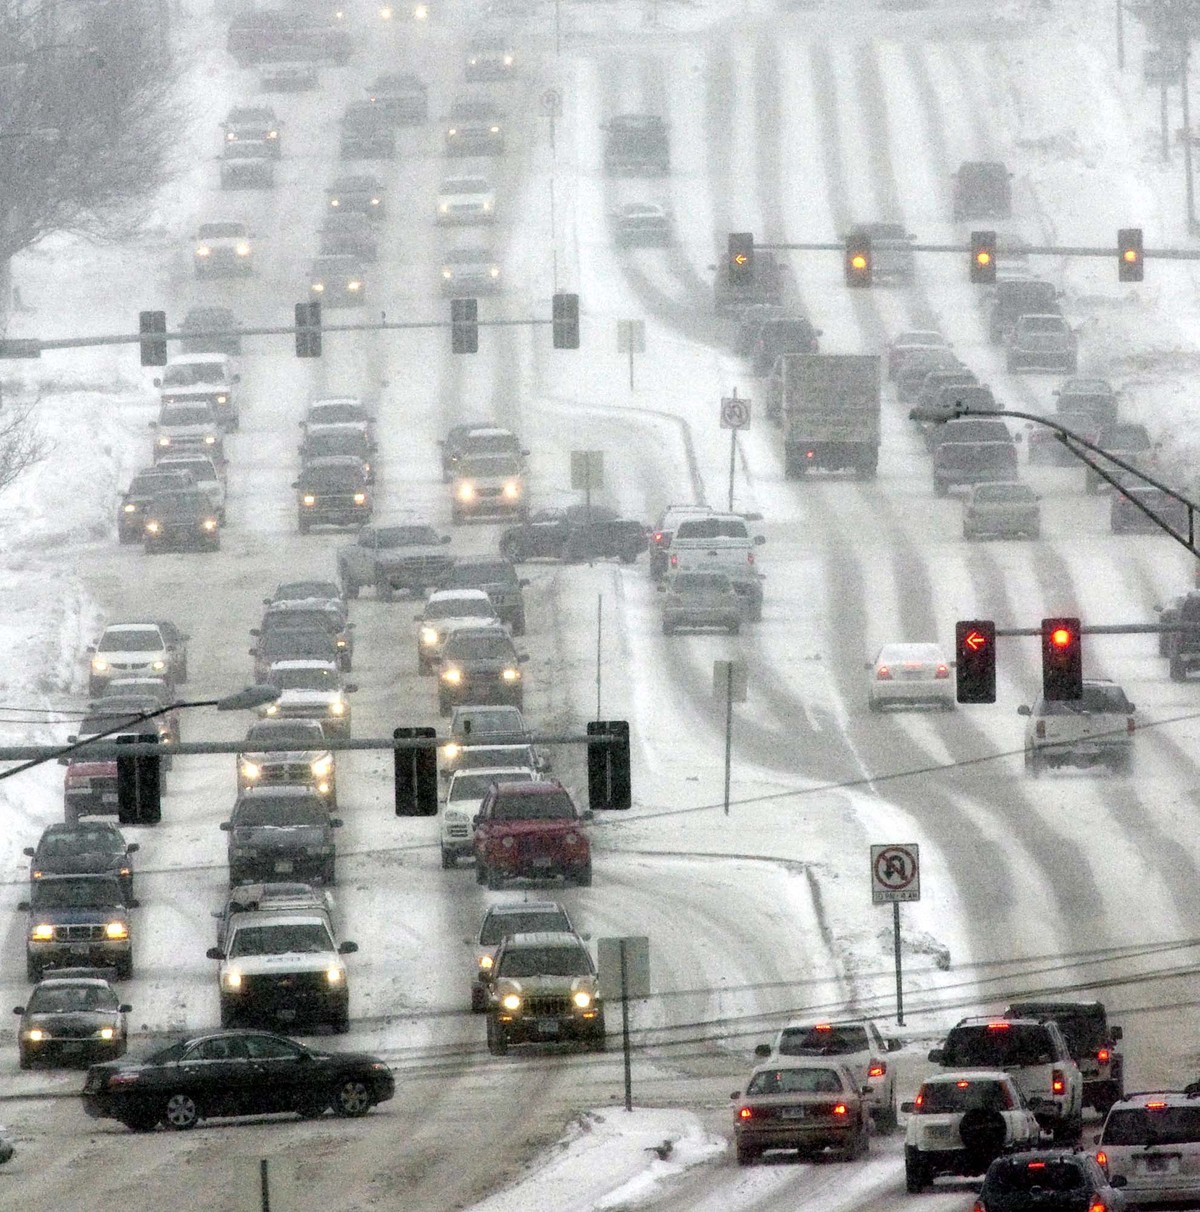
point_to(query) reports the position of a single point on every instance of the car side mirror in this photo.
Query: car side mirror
(909, 1107)
(1130, 709)
(522, 657)
(475, 820)
(445, 539)
(894, 1045)
(250, 651)
(29, 850)
(662, 588)
(1116, 1033)
(418, 618)
(125, 1008)
(347, 948)
(225, 826)
(255, 631)
(1024, 709)
(72, 739)
(133, 848)
(23, 906)
(350, 687)
(523, 582)
(335, 822)
(157, 382)
(763, 1050)
(214, 953)
(237, 378)
(759, 540)
(587, 815)
(736, 1094)
(935, 1056)
(18, 1009)
(64, 761)
(865, 1090)
(151, 424)
(295, 483)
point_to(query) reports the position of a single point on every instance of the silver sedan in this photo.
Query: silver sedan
(910, 675)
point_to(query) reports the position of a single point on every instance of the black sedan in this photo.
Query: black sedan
(573, 534)
(71, 1018)
(88, 847)
(223, 1074)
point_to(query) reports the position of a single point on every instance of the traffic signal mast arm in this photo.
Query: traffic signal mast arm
(1077, 444)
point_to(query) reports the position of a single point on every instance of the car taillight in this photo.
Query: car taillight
(1097, 1206)
(744, 1113)
(876, 1068)
(919, 1101)
(674, 561)
(1102, 1159)
(1058, 1083)
(883, 674)
(810, 454)
(658, 538)
(1040, 730)
(979, 1206)
(749, 557)
(1104, 1056)
(1130, 726)
(839, 1109)
(941, 672)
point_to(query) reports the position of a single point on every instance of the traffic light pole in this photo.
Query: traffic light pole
(1077, 444)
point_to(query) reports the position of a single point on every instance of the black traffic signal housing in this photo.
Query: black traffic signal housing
(609, 781)
(464, 326)
(983, 258)
(152, 325)
(416, 773)
(858, 260)
(308, 329)
(565, 314)
(1062, 661)
(975, 660)
(741, 258)
(139, 782)
(1130, 256)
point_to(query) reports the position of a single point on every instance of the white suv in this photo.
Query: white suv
(463, 796)
(1152, 1141)
(1035, 1054)
(961, 1121)
(857, 1044)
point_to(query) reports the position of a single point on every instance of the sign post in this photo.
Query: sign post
(587, 473)
(631, 339)
(735, 415)
(729, 683)
(552, 106)
(624, 963)
(896, 877)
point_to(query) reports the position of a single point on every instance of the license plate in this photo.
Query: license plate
(543, 863)
(78, 952)
(1160, 1165)
(283, 868)
(547, 1026)
(109, 797)
(791, 1113)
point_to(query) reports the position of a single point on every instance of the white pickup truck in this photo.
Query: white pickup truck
(1095, 730)
(721, 542)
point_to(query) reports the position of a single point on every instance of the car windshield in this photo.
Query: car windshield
(796, 1081)
(496, 757)
(475, 786)
(131, 639)
(469, 647)
(352, 442)
(298, 643)
(459, 608)
(68, 999)
(185, 414)
(281, 813)
(76, 893)
(466, 185)
(304, 938)
(1052, 1174)
(946, 1098)
(478, 573)
(300, 733)
(999, 494)
(491, 720)
(332, 479)
(997, 1046)
(179, 504)
(545, 961)
(1084, 1027)
(478, 443)
(1127, 437)
(401, 536)
(290, 591)
(1043, 323)
(91, 725)
(548, 806)
(1152, 1126)
(498, 926)
(305, 679)
(331, 414)
(489, 465)
(700, 582)
(1102, 700)
(823, 1041)
(148, 485)
(190, 374)
(80, 841)
(202, 469)
(468, 256)
(712, 528)
(300, 620)
(222, 231)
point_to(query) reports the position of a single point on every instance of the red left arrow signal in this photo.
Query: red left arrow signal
(974, 640)
(740, 259)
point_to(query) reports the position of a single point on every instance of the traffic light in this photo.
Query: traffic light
(566, 321)
(1130, 263)
(464, 326)
(858, 260)
(1062, 660)
(609, 782)
(151, 325)
(741, 258)
(416, 774)
(983, 257)
(139, 783)
(975, 660)
(308, 329)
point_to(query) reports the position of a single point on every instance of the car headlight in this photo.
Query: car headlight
(340, 642)
(318, 287)
(43, 932)
(231, 978)
(452, 132)
(385, 14)
(271, 709)
(511, 1001)
(360, 498)
(508, 60)
(164, 439)
(152, 527)
(486, 962)
(429, 636)
(452, 675)
(130, 508)
(355, 285)
(494, 271)
(210, 439)
(448, 273)
(158, 666)
(222, 399)
(421, 12)
(451, 750)
(272, 134)
(210, 524)
(465, 491)
(494, 129)
(444, 208)
(582, 999)
(335, 202)
(116, 931)
(334, 974)
(487, 204)
(204, 251)
(511, 675)
(323, 766)
(309, 499)
(107, 1033)
(512, 490)
(231, 136)
(251, 771)
(337, 707)
(242, 249)
(99, 664)
(374, 201)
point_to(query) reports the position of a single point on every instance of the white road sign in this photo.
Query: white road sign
(895, 873)
(735, 413)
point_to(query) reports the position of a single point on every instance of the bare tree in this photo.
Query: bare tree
(88, 117)
(21, 443)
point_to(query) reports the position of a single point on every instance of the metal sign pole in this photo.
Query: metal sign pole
(264, 1185)
(599, 630)
(896, 947)
(625, 1029)
(728, 723)
(732, 464)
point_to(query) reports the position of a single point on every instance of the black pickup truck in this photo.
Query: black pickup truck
(574, 534)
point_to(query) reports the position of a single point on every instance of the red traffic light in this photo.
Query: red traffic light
(1060, 637)
(1062, 660)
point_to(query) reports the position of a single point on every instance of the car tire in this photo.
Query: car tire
(448, 859)
(940, 488)
(495, 881)
(497, 1038)
(124, 966)
(874, 705)
(339, 1024)
(350, 588)
(735, 628)
(756, 609)
(305, 526)
(444, 707)
(352, 1098)
(24, 1058)
(478, 999)
(668, 628)
(916, 1172)
(583, 877)
(384, 591)
(481, 873)
(180, 1112)
(982, 1133)
(886, 1122)
(1033, 764)
(747, 1155)
(518, 624)
(1178, 670)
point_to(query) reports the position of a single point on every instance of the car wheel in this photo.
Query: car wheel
(350, 588)
(583, 877)
(756, 609)
(140, 1121)
(494, 879)
(339, 1024)
(518, 624)
(352, 1098)
(747, 1155)
(478, 999)
(24, 1058)
(668, 628)
(384, 591)
(1033, 764)
(180, 1112)
(735, 628)
(481, 873)
(916, 1173)
(444, 706)
(939, 488)
(874, 705)
(497, 1038)
(886, 1121)
(447, 859)
(982, 1133)
(1178, 670)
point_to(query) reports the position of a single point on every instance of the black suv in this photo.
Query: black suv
(1017, 297)
(332, 441)
(87, 848)
(574, 534)
(779, 336)
(143, 488)
(306, 617)
(1181, 648)
(480, 665)
(982, 190)
(959, 463)
(1129, 442)
(181, 520)
(281, 832)
(497, 577)
(1054, 1180)
(1093, 1042)
(332, 491)
(78, 919)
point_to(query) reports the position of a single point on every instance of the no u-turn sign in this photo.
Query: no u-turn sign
(895, 873)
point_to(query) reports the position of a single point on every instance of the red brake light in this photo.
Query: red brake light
(1102, 1158)
(658, 537)
(749, 557)
(1156, 1106)
(1097, 1206)
(839, 1109)
(822, 1027)
(674, 561)
(942, 672)
(883, 674)
(1040, 730)
(1130, 726)
(962, 1085)
(808, 454)
(744, 1113)
(919, 1101)
(1104, 1056)
(1037, 1165)
(978, 1206)
(1058, 1083)
(877, 1068)
(998, 1026)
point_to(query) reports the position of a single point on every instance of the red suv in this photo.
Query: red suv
(531, 830)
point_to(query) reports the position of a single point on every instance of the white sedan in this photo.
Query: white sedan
(466, 200)
(911, 674)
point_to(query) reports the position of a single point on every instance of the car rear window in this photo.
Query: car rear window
(823, 1041)
(547, 806)
(796, 1081)
(712, 528)
(1098, 699)
(990, 1046)
(1053, 1174)
(1152, 1126)
(498, 926)
(945, 1098)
